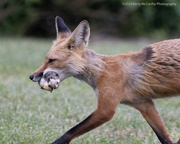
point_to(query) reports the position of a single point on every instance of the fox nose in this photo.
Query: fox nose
(36, 77)
(31, 77)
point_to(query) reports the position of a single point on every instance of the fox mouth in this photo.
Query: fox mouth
(50, 78)
(49, 81)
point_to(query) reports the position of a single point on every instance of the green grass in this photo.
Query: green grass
(29, 115)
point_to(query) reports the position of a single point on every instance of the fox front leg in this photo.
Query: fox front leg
(105, 111)
(94, 120)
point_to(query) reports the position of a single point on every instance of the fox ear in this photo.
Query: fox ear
(61, 29)
(81, 34)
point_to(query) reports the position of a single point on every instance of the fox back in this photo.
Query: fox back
(154, 71)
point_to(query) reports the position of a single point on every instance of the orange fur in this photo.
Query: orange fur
(134, 78)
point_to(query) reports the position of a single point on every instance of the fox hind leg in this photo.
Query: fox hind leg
(149, 112)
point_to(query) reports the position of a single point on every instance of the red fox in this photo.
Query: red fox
(133, 78)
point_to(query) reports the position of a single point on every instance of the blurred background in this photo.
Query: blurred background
(29, 115)
(117, 18)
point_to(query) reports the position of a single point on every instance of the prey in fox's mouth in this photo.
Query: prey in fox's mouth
(49, 81)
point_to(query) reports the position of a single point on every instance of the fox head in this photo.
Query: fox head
(66, 56)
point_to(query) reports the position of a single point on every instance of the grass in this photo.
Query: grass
(29, 115)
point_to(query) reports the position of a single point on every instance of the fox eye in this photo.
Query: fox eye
(51, 60)
(69, 47)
